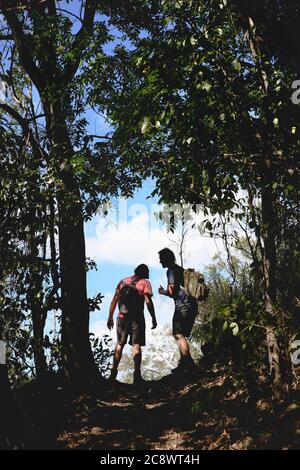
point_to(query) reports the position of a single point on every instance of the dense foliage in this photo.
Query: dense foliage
(197, 95)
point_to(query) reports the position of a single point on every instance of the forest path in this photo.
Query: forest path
(193, 414)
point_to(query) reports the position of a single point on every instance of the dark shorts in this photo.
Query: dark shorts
(134, 329)
(184, 317)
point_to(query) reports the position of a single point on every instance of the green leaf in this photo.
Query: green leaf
(145, 124)
(206, 86)
(236, 65)
(235, 328)
(208, 225)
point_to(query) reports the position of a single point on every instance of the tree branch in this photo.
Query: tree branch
(70, 14)
(51, 7)
(94, 136)
(25, 128)
(26, 58)
(18, 5)
(86, 28)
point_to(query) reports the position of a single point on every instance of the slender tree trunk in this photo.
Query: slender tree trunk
(38, 342)
(38, 326)
(269, 278)
(5, 393)
(279, 359)
(37, 311)
(278, 365)
(53, 251)
(10, 421)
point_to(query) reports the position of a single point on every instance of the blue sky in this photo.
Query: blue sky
(109, 273)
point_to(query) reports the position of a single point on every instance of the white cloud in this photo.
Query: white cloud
(138, 241)
(100, 329)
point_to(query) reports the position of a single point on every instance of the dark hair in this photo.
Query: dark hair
(142, 271)
(167, 254)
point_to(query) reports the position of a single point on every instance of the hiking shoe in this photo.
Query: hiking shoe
(138, 379)
(190, 370)
(178, 368)
(113, 375)
(185, 366)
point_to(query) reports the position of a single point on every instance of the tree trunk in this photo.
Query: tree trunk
(38, 325)
(278, 365)
(5, 391)
(79, 364)
(279, 362)
(10, 420)
(35, 300)
(77, 354)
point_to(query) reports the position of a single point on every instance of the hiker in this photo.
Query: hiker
(186, 309)
(131, 294)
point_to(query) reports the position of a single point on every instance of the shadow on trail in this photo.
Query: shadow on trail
(148, 416)
(190, 413)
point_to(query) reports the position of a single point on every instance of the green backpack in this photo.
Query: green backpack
(194, 284)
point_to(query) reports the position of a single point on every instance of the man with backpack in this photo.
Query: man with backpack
(131, 294)
(186, 308)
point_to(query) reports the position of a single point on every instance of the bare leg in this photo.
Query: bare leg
(117, 356)
(186, 362)
(137, 358)
(183, 345)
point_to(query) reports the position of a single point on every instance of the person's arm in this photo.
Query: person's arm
(151, 310)
(169, 292)
(110, 320)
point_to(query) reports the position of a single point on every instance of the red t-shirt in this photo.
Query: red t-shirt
(143, 287)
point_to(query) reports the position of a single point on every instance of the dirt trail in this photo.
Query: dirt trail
(203, 413)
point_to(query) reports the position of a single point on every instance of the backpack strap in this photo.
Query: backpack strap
(131, 282)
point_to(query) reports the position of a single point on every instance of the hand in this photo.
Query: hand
(161, 290)
(154, 324)
(110, 323)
